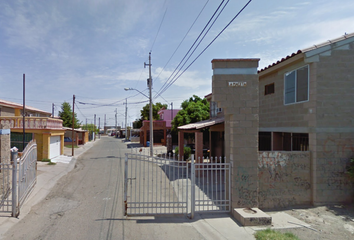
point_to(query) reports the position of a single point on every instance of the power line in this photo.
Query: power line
(158, 29)
(171, 82)
(183, 38)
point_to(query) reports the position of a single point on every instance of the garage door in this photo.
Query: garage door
(54, 147)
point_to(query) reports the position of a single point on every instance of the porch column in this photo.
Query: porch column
(198, 147)
(235, 88)
(180, 144)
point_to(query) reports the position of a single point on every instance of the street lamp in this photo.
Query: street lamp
(150, 118)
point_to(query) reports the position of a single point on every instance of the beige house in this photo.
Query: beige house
(306, 104)
(288, 128)
(39, 125)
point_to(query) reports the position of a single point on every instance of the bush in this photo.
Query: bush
(350, 168)
(187, 152)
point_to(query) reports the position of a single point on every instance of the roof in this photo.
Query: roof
(20, 106)
(202, 124)
(314, 47)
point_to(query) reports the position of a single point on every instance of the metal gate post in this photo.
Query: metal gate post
(192, 187)
(126, 185)
(14, 184)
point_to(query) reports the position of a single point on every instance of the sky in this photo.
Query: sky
(93, 49)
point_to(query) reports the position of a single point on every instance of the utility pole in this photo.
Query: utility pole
(94, 126)
(72, 130)
(52, 110)
(99, 127)
(24, 112)
(171, 113)
(126, 113)
(104, 124)
(116, 120)
(151, 118)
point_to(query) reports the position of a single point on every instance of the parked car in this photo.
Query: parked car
(68, 139)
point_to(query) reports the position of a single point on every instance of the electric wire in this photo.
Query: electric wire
(158, 30)
(200, 34)
(190, 55)
(183, 38)
(160, 92)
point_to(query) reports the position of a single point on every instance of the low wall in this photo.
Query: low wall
(284, 179)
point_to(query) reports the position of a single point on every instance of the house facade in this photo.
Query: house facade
(288, 129)
(48, 132)
(306, 118)
(161, 127)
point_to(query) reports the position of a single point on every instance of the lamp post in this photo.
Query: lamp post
(150, 118)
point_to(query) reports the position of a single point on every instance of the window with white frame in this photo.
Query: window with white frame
(296, 85)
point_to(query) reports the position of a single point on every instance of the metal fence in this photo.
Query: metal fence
(154, 186)
(18, 179)
(162, 185)
(6, 187)
(27, 172)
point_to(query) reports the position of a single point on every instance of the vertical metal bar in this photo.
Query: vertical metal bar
(207, 182)
(139, 160)
(220, 182)
(125, 185)
(229, 193)
(14, 183)
(192, 187)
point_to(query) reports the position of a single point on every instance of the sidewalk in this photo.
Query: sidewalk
(47, 176)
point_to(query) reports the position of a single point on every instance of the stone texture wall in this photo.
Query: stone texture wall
(5, 143)
(333, 152)
(235, 89)
(284, 179)
(273, 112)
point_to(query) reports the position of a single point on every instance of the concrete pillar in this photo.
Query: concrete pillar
(180, 144)
(235, 89)
(198, 147)
(5, 143)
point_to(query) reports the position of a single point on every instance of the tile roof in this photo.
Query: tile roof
(17, 106)
(345, 36)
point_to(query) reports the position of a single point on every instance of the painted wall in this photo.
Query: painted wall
(166, 115)
(284, 179)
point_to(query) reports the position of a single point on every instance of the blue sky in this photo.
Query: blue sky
(96, 48)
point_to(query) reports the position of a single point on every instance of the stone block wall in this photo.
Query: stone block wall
(5, 143)
(284, 179)
(235, 89)
(333, 152)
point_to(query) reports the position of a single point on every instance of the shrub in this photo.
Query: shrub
(350, 168)
(186, 153)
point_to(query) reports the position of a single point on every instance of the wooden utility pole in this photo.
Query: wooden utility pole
(73, 125)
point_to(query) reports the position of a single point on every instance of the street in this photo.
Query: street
(87, 203)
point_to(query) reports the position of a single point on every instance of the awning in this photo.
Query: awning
(202, 124)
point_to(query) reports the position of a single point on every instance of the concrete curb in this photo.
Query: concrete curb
(47, 177)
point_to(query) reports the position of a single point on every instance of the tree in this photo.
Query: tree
(193, 110)
(145, 112)
(66, 114)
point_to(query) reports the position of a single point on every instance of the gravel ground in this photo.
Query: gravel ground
(327, 222)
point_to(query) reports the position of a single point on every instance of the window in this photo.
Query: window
(296, 86)
(283, 141)
(269, 89)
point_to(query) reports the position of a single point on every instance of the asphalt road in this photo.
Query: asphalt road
(87, 203)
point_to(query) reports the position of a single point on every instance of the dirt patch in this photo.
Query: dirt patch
(326, 222)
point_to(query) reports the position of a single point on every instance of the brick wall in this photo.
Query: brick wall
(284, 179)
(235, 89)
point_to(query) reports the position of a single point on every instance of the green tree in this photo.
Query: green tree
(66, 114)
(193, 110)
